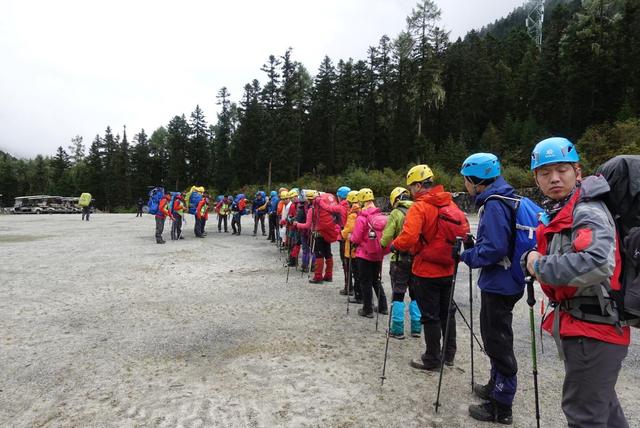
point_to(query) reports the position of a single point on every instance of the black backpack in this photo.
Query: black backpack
(623, 200)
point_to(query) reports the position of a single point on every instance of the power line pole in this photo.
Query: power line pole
(534, 22)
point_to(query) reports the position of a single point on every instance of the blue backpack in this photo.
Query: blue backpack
(524, 225)
(194, 200)
(155, 196)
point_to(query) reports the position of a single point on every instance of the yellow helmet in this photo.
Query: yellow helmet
(311, 194)
(395, 194)
(284, 194)
(418, 174)
(365, 195)
(293, 193)
(352, 196)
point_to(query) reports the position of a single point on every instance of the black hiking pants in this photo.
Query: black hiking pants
(235, 223)
(159, 228)
(370, 282)
(273, 226)
(432, 295)
(222, 219)
(258, 218)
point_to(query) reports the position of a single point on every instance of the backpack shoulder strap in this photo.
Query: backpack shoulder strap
(513, 204)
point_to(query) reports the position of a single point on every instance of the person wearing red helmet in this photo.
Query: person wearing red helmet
(163, 213)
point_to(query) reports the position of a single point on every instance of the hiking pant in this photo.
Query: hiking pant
(197, 226)
(85, 213)
(432, 295)
(306, 248)
(354, 278)
(203, 223)
(322, 248)
(139, 214)
(273, 226)
(370, 282)
(176, 226)
(159, 228)
(235, 223)
(589, 398)
(222, 218)
(496, 317)
(258, 218)
(401, 279)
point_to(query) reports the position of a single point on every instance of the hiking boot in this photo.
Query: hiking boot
(415, 334)
(161, 242)
(398, 336)
(365, 314)
(491, 412)
(356, 301)
(315, 281)
(383, 311)
(483, 391)
(417, 363)
(343, 292)
(327, 279)
(448, 363)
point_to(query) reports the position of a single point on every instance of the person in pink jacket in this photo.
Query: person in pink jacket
(369, 254)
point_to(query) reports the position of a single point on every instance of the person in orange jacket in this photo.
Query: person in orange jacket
(163, 213)
(202, 213)
(433, 264)
(350, 250)
(178, 215)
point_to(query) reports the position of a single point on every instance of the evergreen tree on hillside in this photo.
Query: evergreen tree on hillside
(223, 134)
(177, 141)
(198, 149)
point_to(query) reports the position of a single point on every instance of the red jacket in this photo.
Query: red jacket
(202, 210)
(419, 231)
(163, 209)
(583, 234)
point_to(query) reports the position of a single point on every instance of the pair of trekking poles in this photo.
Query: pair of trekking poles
(452, 307)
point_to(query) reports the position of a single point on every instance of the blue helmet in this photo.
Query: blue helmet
(343, 192)
(553, 150)
(273, 194)
(481, 165)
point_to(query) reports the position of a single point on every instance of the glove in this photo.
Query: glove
(468, 243)
(392, 248)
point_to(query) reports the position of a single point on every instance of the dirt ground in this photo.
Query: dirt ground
(101, 327)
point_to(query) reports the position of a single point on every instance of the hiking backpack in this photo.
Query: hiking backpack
(194, 199)
(623, 200)
(524, 221)
(452, 223)
(85, 200)
(155, 196)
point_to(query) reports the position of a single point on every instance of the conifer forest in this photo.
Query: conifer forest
(413, 97)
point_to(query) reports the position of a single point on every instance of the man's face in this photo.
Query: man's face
(469, 186)
(415, 188)
(557, 180)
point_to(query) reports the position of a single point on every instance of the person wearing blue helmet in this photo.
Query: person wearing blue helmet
(577, 263)
(499, 290)
(342, 211)
(272, 212)
(259, 211)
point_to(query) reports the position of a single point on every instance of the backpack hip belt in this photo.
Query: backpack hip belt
(593, 309)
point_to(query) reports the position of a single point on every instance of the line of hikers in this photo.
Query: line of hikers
(573, 246)
(570, 245)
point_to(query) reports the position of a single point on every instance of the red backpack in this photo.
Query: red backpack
(452, 223)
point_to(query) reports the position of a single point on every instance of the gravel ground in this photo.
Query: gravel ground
(102, 327)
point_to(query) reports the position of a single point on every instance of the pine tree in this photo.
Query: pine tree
(178, 133)
(223, 135)
(198, 149)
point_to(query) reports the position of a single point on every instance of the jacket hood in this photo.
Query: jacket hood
(405, 204)
(370, 211)
(593, 186)
(436, 196)
(498, 187)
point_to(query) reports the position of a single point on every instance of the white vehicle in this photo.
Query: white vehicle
(32, 205)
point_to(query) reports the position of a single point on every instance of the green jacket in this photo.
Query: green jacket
(394, 225)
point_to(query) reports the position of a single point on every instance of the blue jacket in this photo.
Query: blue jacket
(273, 204)
(257, 203)
(493, 243)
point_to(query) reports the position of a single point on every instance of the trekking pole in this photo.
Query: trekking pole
(312, 239)
(445, 340)
(531, 301)
(349, 280)
(470, 238)
(386, 350)
(288, 257)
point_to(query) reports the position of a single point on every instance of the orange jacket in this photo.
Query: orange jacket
(348, 228)
(422, 221)
(202, 210)
(281, 205)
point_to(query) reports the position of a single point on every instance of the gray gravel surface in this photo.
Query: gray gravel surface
(102, 327)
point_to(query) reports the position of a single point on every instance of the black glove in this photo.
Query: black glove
(392, 248)
(468, 243)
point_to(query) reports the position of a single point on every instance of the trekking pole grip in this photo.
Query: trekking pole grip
(531, 299)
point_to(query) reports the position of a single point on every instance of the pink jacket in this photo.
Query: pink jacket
(369, 249)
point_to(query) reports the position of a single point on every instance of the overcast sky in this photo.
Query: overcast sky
(74, 67)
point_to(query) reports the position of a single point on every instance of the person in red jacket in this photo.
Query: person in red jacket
(577, 263)
(178, 215)
(202, 214)
(433, 274)
(163, 213)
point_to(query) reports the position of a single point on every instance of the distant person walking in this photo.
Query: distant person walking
(139, 204)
